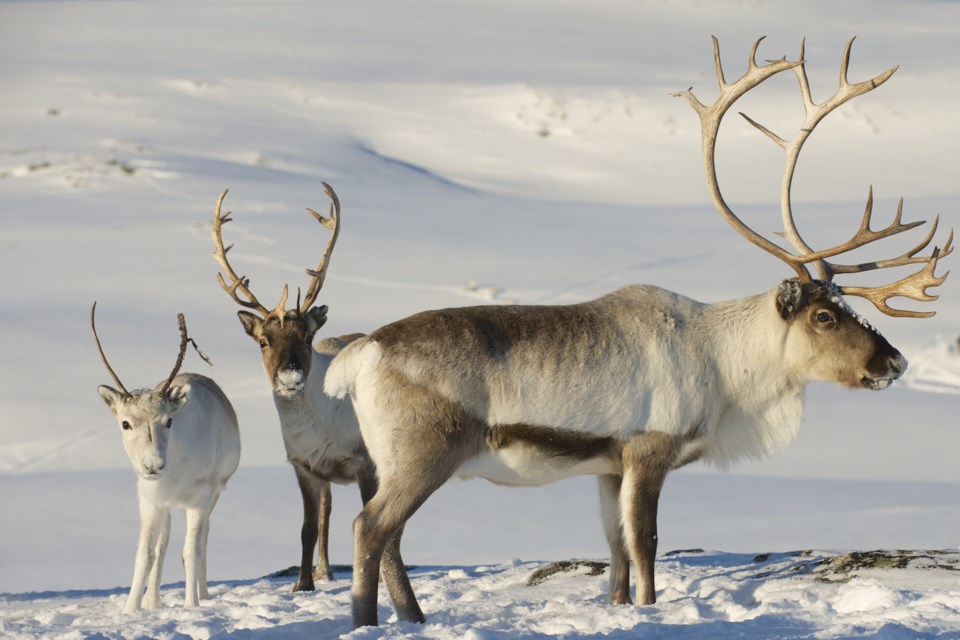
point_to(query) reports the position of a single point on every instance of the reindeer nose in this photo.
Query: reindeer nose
(289, 381)
(898, 365)
(290, 375)
(153, 470)
(887, 363)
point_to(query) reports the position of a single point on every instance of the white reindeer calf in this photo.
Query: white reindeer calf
(183, 440)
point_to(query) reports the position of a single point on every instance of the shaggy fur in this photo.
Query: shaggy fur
(184, 446)
(627, 387)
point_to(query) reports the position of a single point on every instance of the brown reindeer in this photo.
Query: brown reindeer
(626, 387)
(320, 434)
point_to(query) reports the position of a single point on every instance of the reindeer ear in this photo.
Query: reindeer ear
(111, 396)
(251, 323)
(316, 318)
(790, 298)
(178, 396)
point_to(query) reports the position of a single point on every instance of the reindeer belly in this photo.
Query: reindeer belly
(525, 455)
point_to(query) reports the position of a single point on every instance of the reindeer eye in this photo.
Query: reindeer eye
(126, 426)
(823, 316)
(169, 423)
(263, 343)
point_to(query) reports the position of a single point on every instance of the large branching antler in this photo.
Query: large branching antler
(240, 285)
(913, 286)
(710, 118)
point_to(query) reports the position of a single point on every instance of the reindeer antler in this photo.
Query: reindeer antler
(93, 325)
(184, 339)
(237, 283)
(241, 285)
(183, 350)
(913, 286)
(710, 118)
(319, 274)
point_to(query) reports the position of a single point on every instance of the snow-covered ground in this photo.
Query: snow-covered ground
(702, 595)
(522, 151)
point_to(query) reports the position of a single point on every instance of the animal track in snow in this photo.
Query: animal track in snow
(29, 455)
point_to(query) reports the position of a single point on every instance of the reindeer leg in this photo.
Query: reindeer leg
(193, 552)
(202, 591)
(619, 557)
(144, 563)
(379, 525)
(427, 438)
(398, 582)
(369, 540)
(323, 571)
(647, 459)
(309, 493)
(379, 528)
(161, 538)
(392, 569)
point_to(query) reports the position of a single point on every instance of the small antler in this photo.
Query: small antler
(913, 286)
(318, 274)
(93, 325)
(183, 350)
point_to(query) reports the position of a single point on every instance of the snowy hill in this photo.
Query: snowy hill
(484, 152)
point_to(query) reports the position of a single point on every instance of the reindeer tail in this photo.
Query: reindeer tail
(342, 374)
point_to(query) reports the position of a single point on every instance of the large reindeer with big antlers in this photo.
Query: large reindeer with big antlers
(320, 433)
(626, 387)
(184, 443)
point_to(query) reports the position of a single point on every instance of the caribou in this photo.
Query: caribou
(183, 440)
(320, 434)
(626, 387)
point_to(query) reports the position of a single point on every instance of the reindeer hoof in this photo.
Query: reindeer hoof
(303, 585)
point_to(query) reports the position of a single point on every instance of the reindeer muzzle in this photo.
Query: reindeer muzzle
(289, 382)
(891, 368)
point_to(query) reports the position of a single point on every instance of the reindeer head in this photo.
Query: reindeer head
(827, 339)
(285, 336)
(145, 416)
(286, 346)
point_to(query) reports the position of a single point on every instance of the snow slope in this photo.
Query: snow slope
(523, 151)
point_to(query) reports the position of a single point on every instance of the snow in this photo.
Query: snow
(702, 595)
(524, 151)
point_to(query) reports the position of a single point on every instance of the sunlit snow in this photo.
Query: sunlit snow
(487, 152)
